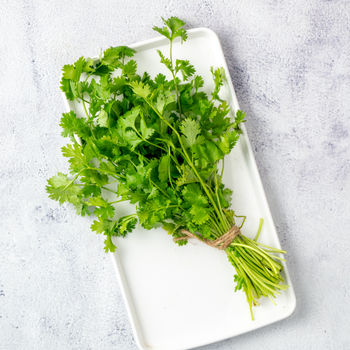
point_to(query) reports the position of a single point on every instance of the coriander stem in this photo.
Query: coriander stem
(108, 189)
(222, 169)
(259, 229)
(75, 177)
(118, 201)
(260, 252)
(107, 172)
(174, 76)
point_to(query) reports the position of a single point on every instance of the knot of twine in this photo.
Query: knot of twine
(220, 243)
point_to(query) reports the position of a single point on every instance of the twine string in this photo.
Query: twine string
(220, 243)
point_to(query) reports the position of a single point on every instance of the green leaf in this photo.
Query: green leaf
(200, 214)
(105, 212)
(239, 118)
(73, 72)
(199, 208)
(166, 61)
(219, 78)
(141, 89)
(72, 125)
(76, 157)
(187, 177)
(130, 68)
(185, 68)
(98, 201)
(98, 226)
(163, 31)
(190, 129)
(68, 72)
(102, 118)
(164, 98)
(126, 224)
(164, 168)
(174, 23)
(169, 227)
(198, 82)
(145, 131)
(129, 118)
(91, 190)
(207, 153)
(61, 189)
(228, 140)
(172, 29)
(113, 55)
(109, 246)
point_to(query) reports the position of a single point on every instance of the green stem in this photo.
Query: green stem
(111, 173)
(258, 251)
(108, 189)
(161, 208)
(118, 201)
(259, 229)
(75, 177)
(174, 76)
(149, 142)
(219, 204)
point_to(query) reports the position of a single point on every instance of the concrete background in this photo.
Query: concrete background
(290, 62)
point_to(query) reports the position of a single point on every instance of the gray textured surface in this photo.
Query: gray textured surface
(290, 62)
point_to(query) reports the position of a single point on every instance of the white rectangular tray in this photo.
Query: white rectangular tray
(183, 297)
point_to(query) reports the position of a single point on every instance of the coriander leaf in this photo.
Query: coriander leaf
(72, 125)
(163, 31)
(73, 72)
(113, 55)
(170, 227)
(97, 226)
(164, 168)
(102, 118)
(185, 68)
(126, 224)
(190, 129)
(164, 98)
(128, 119)
(228, 140)
(145, 131)
(68, 72)
(219, 78)
(69, 88)
(140, 89)
(91, 190)
(200, 214)
(60, 188)
(239, 118)
(187, 176)
(130, 68)
(98, 201)
(175, 25)
(77, 159)
(199, 208)
(207, 153)
(105, 212)
(109, 246)
(160, 79)
(225, 195)
(198, 82)
(166, 61)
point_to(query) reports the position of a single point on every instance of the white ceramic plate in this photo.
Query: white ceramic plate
(183, 297)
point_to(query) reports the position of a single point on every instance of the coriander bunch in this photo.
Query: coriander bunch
(163, 142)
